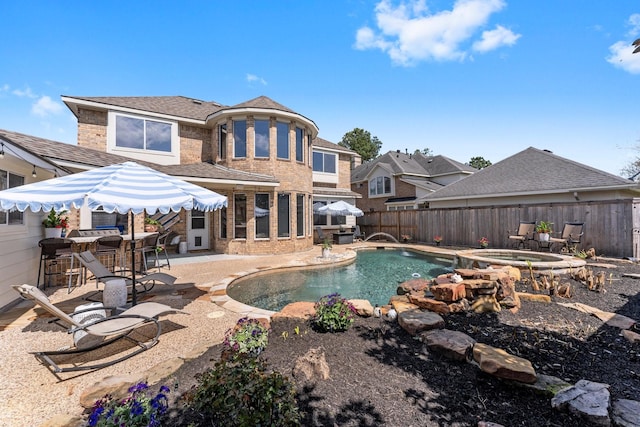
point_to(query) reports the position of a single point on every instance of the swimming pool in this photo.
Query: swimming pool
(374, 276)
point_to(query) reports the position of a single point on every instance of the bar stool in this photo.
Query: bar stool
(111, 246)
(52, 250)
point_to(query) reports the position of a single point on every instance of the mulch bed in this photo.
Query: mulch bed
(380, 375)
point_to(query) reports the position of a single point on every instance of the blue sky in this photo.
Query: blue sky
(464, 78)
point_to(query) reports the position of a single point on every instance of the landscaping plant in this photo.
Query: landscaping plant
(241, 393)
(135, 410)
(333, 313)
(249, 337)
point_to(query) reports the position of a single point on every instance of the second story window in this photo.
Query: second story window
(282, 130)
(143, 134)
(222, 141)
(239, 138)
(324, 162)
(9, 180)
(380, 185)
(261, 131)
(299, 145)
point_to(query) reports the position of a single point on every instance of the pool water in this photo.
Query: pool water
(374, 276)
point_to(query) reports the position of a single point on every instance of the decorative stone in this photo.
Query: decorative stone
(501, 364)
(117, 386)
(299, 310)
(429, 304)
(416, 321)
(401, 306)
(460, 306)
(626, 413)
(485, 304)
(448, 292)
(452, 344)
(587, 399)
(632, 337)
(312, 365)
(548, 385)
(525, 296)
(163, 370)
(363, 307)
(414, 285)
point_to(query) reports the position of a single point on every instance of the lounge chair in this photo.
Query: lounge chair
(357, 234)
(102, 273)
(105, 330)
(524, 234)
(570, 237)
(321, 235)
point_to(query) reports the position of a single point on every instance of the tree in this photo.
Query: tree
(479, 162)
(425, 152)
(361, 141)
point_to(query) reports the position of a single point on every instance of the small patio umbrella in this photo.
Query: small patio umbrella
(123, 188)
(339, 208)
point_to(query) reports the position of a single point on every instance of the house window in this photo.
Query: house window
(283, 215)
(324, 162)
(223, 223)
(239, 138)
(222, 141)
(299, 144)
(282, 130)
(261, 131)
(240, 216)
(380, 185)
(262, 215)
(317, 218)
(9, 180)
(143, 134)
(300, 215)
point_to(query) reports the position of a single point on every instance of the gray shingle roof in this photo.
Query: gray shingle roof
(323, 143)
(177, 106)
(82, 156)
(410, 164)
(263, 102)
(530, 171)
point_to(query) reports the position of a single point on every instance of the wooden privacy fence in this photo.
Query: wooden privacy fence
(611, 227)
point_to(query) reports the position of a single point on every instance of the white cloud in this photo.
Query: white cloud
(410, 33)
(622, 55)
(493, 39)
(26, 93)
(45, 106)
(253, 78)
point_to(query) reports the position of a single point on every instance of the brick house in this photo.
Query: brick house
(396, 181)
(259, 153)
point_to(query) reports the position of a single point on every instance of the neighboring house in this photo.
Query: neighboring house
(20, 231)
(532, 176)
(397, 181)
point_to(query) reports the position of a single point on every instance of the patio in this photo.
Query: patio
(28, 386)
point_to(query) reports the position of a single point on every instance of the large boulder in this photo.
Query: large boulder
(416, 321)
(501, 364)
(312, 365)
(452, 344)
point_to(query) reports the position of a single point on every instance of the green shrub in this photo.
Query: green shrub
(241, 393)
(247, 338)
(333, 314)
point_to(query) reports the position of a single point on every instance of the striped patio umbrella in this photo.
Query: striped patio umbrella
(123, 188)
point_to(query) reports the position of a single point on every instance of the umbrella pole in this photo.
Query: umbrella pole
(133, 262)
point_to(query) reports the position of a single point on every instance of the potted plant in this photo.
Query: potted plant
(484, 242)
(326, 248)
(406, 238)
(543, 228)
(437, 240)
(151, 225)
(54, 223)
